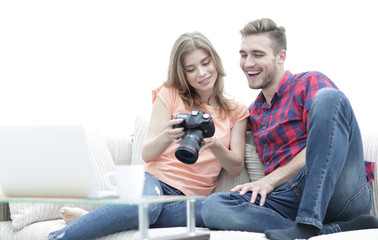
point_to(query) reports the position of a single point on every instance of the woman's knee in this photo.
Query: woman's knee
(212, 202)
(154, 211)
(213, 209)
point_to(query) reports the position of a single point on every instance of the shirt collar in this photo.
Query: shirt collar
(285, 81)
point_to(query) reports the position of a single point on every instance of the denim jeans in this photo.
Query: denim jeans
(115, 218)
(331, 187)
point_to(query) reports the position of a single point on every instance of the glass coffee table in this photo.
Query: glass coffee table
(142, 204)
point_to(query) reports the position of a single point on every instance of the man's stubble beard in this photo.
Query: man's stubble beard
(267, 80)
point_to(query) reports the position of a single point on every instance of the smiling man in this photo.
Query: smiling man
(309, 142)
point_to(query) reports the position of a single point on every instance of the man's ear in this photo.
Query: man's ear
(281, 57)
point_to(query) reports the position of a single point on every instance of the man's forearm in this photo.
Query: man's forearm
(284, 173)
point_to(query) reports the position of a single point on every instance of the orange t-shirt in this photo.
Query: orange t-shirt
(199, 178)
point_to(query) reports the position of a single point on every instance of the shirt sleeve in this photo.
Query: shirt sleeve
(240, 113)
(167, 95)
(313, 83)
(369, 168)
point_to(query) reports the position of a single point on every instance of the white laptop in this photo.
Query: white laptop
(46, 161)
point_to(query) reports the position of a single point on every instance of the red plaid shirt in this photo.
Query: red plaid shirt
(280, 129)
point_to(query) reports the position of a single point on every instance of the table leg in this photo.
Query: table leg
(143, 221)
(190, 216)
(190, 224)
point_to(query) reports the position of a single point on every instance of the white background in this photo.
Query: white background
(96, 62)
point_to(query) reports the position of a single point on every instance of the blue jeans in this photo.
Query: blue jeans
(115, 218)
(331, 187)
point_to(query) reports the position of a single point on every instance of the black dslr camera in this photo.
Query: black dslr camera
(197, 126)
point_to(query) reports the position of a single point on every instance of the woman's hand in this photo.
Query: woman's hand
(210, 142)
(174, 134)
(232, 157)
(160, 132)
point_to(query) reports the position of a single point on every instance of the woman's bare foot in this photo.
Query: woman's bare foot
(70, 214)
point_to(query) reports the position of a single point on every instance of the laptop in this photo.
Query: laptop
(47, 161)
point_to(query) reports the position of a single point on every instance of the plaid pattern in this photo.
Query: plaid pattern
(280, 129)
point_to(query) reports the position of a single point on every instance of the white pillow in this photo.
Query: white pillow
(253, 169)
(252, 161)
(23, 214)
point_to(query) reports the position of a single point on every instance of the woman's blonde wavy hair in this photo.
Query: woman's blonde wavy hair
(184, 45)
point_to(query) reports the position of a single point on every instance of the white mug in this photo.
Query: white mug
(129, 181)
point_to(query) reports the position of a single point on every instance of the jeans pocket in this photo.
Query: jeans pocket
(359, 204)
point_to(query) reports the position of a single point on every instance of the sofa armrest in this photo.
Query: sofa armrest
(370, 144)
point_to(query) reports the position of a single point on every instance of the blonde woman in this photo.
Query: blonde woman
(195, 82)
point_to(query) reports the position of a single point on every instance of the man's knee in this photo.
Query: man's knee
(330, 101)
(327, 96)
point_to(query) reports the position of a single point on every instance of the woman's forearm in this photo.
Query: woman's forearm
(153, 148)
(232, 159)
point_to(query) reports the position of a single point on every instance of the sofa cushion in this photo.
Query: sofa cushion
(370, 144)
(23, 214)
(140, 132)
(252, 171)
(252, 161)
(120, 148)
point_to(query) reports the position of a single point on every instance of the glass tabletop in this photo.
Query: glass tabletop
(114, 201)
(142, 204)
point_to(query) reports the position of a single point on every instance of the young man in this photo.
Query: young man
(309, 141)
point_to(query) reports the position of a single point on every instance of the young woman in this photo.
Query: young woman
(195, 82)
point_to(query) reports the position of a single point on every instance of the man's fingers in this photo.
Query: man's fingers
(262, 199)
(254, 196)
(255, 190)
(236, 188)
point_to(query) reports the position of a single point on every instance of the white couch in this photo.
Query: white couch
(34, 221)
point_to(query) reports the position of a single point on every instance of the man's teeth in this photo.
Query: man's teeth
(253, 72)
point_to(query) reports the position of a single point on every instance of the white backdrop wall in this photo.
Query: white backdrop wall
(95, 62)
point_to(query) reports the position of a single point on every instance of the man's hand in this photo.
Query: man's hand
(267, 184)
(260, 187)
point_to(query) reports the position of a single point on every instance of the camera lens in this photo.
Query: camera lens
(189, 147)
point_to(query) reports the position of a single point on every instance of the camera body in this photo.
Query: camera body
(197, 126)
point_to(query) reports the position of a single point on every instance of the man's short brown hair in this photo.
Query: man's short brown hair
(269, 28)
